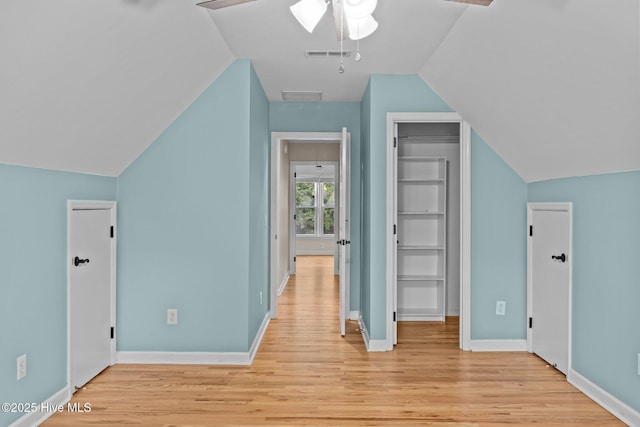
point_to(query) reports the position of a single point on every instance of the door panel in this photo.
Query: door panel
(550, 286)
(345, 231)
(90, 294)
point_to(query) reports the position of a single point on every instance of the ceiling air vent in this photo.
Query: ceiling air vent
(301, 96)
(478, 2)
(326, 53)
(219, 4)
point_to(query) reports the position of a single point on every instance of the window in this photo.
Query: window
(315, 208)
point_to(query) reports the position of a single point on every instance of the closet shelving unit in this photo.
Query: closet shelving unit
(421, 235)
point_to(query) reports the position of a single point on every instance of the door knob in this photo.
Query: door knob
(77, 261)
(561, 258)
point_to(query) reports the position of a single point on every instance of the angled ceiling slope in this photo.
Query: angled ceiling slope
(409, 32)
(87, 86)
(552, 85)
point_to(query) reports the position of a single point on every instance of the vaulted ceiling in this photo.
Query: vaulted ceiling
(552, 85)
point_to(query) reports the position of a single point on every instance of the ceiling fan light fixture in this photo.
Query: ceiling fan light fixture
(309, 13)
(361, 28)
(359, 9)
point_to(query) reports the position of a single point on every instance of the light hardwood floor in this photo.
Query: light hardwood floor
(305, 374)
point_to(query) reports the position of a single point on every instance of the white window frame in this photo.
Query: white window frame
(318, 206)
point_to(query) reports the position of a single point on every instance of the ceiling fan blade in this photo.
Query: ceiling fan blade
(478, 2)
(219, 4)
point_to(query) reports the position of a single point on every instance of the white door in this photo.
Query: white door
(549, 283)
(90, 294)
(344, 230)
(292, 219)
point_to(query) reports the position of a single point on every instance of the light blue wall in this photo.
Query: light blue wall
(185, 227)
(498, 245)
(498, 215)
(329, 117)
(33, 277)
(386, 93)
(258, 206)
(606, 277)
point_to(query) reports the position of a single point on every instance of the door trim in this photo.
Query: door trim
(277, 139)
(74, 205)
(559, 207)
(465, 218)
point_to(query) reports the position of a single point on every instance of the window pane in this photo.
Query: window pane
(306, 221)
(327, 216)
(328, 191)
(305, 194)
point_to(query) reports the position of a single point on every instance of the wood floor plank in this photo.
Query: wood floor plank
(305, 374)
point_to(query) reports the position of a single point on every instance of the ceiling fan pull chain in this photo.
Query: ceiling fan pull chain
(341, 68)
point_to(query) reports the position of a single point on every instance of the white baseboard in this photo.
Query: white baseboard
(624, 412)
(284, 282)
(45, 410)
(498, 345)
(183, 358)
(258, 338)
(372, 345)
(354, 315)
(195, 358)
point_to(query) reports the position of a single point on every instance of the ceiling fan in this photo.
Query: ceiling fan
(353, 18)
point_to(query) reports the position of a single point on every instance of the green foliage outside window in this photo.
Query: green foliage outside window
(307, 195)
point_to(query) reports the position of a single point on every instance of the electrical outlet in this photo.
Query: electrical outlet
(260, 297)
(501, 307)
(22, 366)
(172, 316)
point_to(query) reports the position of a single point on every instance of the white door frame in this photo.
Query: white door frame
(277, 139)
(292, 208)
(73, 205)
(561, 207)
(465, 218)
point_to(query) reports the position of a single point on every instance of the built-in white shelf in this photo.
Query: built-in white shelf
(422, 278)
(421, 249)
(421, 213)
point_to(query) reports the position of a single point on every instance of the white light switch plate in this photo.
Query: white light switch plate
(172, 316)
(501, 308)
(22, 366)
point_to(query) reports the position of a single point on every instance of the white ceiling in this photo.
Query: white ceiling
(266, 31)
(552, 85)
(86, 86)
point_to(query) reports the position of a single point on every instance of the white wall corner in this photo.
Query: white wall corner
(498, 345)
(44, 410)
(258, 338)
(354, 315)
(372, 345)
(621, 410)
(284, 282)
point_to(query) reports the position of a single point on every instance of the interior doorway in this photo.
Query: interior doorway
(313, 201)
(315, 149)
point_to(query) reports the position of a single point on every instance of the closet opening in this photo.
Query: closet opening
(426, 252)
